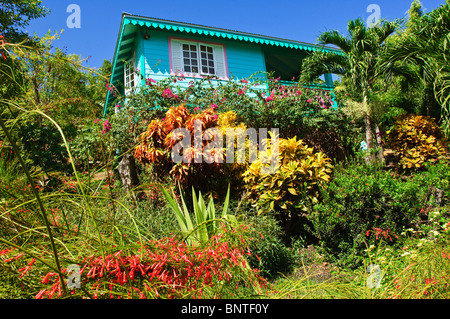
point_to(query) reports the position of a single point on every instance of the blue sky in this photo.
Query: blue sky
(296, 20)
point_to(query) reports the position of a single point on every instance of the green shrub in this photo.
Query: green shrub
(269, 253)
(43, 145)
(91, 143)
(362, 205)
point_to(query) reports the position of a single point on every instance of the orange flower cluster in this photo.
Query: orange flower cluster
(380, 232)
(158, 142)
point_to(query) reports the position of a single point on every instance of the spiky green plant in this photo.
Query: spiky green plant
(205, 223)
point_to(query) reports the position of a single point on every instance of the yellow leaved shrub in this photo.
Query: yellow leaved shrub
(417, 140)
(294, 182)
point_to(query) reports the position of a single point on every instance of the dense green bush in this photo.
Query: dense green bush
(364, 204)
(91, 144)
(269, 255)
(43, 145)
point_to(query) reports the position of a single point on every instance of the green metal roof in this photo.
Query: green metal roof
(130, 24)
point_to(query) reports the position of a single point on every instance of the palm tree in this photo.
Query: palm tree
(427, 46)
(361, 63)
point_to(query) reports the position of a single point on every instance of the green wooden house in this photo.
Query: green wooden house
(160, 48)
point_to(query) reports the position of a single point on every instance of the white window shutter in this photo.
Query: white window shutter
(177, 57)
(129, 76)
(219, 61)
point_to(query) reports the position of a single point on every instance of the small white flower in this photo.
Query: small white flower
(406, 253)
(434, 233)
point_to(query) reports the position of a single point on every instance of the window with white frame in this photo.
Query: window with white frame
(190, 58)
(207, 59)
(198, 58)
(130, 76)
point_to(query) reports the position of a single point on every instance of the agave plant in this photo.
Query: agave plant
(205, 224)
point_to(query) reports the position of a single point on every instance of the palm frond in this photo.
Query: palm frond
(335, 38)
(321, 63)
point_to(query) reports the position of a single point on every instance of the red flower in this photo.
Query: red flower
(40, 294)
(2, 42)
(18, 256)
(149, 81)
(270, 98)
(107, 127)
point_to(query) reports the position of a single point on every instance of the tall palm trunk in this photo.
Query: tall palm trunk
(368, 124)
(380, 143)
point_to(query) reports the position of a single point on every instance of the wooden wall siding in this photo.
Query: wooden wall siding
(244, 59)
(156, 52)
(140, 55)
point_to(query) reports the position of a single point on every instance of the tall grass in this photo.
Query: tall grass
(418, 270)
(38, 200)
(50, 228)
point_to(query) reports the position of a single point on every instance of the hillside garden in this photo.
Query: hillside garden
(356, 207)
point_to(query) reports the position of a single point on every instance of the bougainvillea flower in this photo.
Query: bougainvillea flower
(149, 81)
(107, 127)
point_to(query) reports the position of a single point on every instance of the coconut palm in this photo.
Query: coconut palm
(361, 62)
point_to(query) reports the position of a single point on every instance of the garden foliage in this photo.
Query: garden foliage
(309, 109)
(165, 268)
(363, 205)
(199, 164)
(161, 244)
(417, 140)
(206, 223)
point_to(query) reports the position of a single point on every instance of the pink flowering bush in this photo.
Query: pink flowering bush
(294, 109)
(92, 138)
(106, 127)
